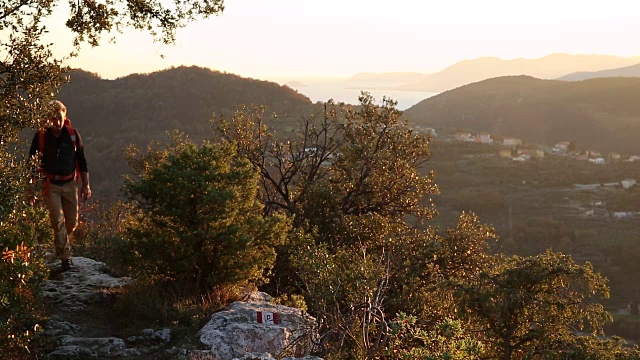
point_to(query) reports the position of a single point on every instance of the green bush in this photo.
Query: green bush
(447, 340)
(197, 216)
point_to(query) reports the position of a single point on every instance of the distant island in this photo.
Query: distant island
(469, 71)
(295, 84)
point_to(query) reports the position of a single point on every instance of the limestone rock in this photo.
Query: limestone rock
(73, 290)
(267, 356)
(105, 347)
(234, 332)
(56, 327)
(71, 352)
(150, 336)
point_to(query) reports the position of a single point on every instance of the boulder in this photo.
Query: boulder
(236, 331)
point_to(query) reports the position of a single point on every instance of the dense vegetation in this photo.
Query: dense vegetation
(597, 114)
(381, 282)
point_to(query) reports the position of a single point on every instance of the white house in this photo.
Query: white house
(484, 138)
(628, 183)
(511, 141)
(562, 146)
(461, 136)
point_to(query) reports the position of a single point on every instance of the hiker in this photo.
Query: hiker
(62, 161)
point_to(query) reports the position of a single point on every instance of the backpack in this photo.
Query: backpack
(48, 177)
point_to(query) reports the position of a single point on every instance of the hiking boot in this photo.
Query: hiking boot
(67, 265)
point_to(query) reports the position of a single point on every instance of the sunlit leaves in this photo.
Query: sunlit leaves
(532, 304)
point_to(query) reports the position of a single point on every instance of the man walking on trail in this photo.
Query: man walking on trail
(62, 161)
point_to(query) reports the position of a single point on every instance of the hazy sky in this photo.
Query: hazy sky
(293, 39)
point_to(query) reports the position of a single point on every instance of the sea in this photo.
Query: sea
(343, 90)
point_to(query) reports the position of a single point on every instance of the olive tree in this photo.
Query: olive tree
(535, 305)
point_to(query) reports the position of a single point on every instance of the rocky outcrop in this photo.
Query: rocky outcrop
(257, 326)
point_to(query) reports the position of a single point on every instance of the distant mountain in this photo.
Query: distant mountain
(548, 67)
(140, 108)
(599, 114)
(295, 84)
(627, 71)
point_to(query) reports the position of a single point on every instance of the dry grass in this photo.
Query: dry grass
(180, 305)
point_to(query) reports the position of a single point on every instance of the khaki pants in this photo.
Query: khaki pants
(62, 202)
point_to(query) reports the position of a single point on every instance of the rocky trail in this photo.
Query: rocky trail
(82, 324)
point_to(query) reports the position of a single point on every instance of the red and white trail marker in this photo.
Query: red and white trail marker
(268, 318)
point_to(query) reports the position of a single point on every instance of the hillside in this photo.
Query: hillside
(139, 108)
(548, 67)
(598, 114)
(627, 71)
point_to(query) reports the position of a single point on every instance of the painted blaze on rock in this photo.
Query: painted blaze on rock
(268, 317)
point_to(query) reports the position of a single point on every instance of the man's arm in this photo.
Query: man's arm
(85, 191)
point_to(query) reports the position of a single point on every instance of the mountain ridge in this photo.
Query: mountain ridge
(627, 71)
(140, 108)
(472, 70)
(598, 114)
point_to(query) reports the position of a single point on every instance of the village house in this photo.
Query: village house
(594, 154)
(562, 146)
(622, 214)
(511, 141)
(628, 183)
(462, 136)
(614, 156)
(598, 161)
(484, 138)
(633, 158)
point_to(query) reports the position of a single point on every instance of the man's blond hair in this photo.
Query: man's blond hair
(57, 105)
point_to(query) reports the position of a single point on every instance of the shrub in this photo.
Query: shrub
(197, 216)
(447, 340)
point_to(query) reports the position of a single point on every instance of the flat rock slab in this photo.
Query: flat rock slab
(88, 283)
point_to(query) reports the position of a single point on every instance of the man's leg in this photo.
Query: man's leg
(54, 204)
(70, 210)
(70, 206)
